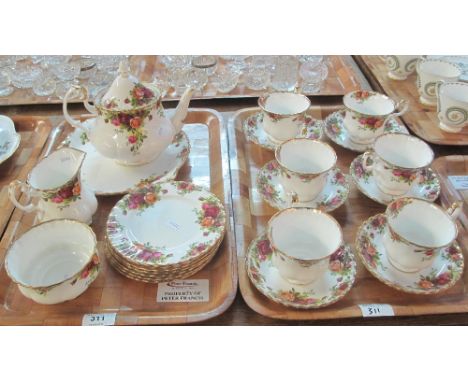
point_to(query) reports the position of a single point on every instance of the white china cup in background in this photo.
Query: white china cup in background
(60, 268)
(303, 240)
(283, 114)
(429, 72)
(417, 230)
(452, 106)
(400, 67)
(398, 160)
(367, 112)
(304, 167)
(56, 182)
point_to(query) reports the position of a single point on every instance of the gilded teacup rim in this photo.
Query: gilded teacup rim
(262, 104)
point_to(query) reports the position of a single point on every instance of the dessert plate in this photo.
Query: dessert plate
(330, 198)
(333, 286)
(9, 138)
(445, 271)
(253, 130)
(106, 177)
(335, 129)
(161, 224)
(427, 186)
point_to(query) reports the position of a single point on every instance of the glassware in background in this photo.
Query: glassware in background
(160, 79)
(196, 78)
(66, 71)
(7, 61)
(37, 59)
(312, 59)
(264, 62)
(24, 74)
(88, 67)
(44, 85)
(284, 76)
(257, 78)
(177, 61)
(178, 79)
(225, 80)
(55, 60)
(5, 84)
(313, 74)
(207, 63)
(237, 64)
(62, 88)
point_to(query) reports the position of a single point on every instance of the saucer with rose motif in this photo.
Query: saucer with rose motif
(105, 177)
(9, 138)
(426, 187)
(162, 224)
(254, 132)
(330, 288)
(335, 129)
(445, 270)
(333, 195)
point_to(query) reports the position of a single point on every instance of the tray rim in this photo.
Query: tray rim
(150, 318)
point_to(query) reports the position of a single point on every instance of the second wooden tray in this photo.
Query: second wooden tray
(251, 214)
(421, 119)
(135, 303)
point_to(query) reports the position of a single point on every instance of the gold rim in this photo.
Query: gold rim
(72, 178)
(409, 137)
(312, 175)
(314, 210)
(388, 217)
(93, 252)
(388, 283)
(262, 104)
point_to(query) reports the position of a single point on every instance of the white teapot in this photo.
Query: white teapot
(130, 125)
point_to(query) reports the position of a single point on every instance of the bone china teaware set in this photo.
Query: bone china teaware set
(301, 260)
(438, 86)
(137, 150)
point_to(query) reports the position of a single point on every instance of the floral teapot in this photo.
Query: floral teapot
(130, 125)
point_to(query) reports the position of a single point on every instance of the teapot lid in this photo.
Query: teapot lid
(126, 92)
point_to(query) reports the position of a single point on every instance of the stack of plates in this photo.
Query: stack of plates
(164, 231)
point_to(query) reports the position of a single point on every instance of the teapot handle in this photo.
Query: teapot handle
(26, 189)
(181, 110)
(77, 124)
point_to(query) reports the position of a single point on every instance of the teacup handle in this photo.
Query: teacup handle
(455, 209)
(438, 84)
(365, 158)
(401, 108)
(293, 198)
(88, 106)
(24, 188)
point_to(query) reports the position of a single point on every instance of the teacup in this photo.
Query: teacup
(303, 240)
(283, 115)
(400, 67)
(54, 261)
(429, 72)
(417, 231)
(452, 106)
(367, 112)
(397, 161)
(304, 167)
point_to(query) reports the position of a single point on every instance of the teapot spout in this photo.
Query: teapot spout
(181, 110)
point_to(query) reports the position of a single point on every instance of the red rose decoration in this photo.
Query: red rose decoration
(132, 139)
(135, 122)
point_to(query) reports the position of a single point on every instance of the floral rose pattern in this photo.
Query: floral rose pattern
(396, 206)
(361, 95)
(131, 122)
(342, 268)
(264, 184)
(368, 123)
(211, 217)
(150, 254)
(358, 171)
(90, 270)
(367, 248)
(64, 195)
(142, 197)
(403, 176)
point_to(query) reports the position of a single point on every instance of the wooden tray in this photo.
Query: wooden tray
(135, 302)
(344, 76)
(421, 119)
(251, 215)
(34, 134)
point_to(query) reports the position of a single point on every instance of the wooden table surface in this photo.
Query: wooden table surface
(239, 313)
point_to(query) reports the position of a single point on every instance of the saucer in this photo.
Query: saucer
(9, 138)
(331, 287)
(335, 130)
(444, 272)
(253, 130)
(427, 187)
(330, 198)
(106, 177)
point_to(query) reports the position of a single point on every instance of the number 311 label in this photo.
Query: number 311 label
(376, 310)
(99, 319)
